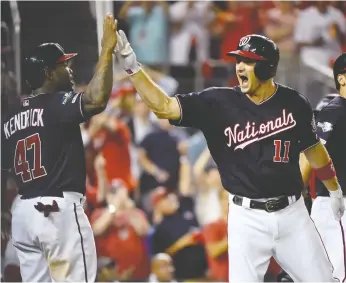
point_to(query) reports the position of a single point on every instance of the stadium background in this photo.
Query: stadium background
(134, 160)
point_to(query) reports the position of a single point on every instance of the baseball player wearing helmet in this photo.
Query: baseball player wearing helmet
(43, 149)
(255, 133)
(331, 128)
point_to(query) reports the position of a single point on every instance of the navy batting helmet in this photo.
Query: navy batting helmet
(262, 50)
(44, 56)
(339, 68)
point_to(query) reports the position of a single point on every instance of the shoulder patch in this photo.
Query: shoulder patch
(325, 126)
(25, 103)
(67, 97)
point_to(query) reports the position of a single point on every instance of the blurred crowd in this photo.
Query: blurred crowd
(154, 195)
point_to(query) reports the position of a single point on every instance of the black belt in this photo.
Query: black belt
(270, 205)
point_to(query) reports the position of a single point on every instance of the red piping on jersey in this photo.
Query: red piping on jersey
(344, 250)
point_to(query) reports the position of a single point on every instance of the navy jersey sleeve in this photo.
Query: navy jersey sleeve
(326, 121)
(307, 126)
(193, 109)
(66, 107)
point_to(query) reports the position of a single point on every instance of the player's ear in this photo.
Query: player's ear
(48, 72)
(342, 79)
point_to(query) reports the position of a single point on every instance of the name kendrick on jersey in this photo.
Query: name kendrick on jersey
(253, 133)
(23, 120)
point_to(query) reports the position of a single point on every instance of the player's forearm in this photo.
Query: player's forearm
(319, 159)
(153, 96)
(305, 169)
(99, 89)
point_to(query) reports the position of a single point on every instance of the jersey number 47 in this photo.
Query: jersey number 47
(21, 164)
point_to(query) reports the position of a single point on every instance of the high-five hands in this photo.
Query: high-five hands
(110, 35)
(125, 55)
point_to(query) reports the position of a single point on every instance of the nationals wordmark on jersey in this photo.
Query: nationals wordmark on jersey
(253, 132)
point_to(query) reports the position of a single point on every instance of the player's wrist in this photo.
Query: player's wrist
(336, 193)
(133, 68)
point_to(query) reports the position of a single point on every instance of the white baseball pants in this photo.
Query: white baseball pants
(332, 234)
(289, 235)
(58, 248)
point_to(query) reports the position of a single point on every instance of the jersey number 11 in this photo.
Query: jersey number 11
(277, 155)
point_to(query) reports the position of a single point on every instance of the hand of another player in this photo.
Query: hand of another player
(337, 204)
(110, 36)
(125, 56)
(6, 219)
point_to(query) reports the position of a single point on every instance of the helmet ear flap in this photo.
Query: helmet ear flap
(265, 70)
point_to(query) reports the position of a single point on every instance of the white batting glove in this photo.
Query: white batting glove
(125, 55)
(337, 203)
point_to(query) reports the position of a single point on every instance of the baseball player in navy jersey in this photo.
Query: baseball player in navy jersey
(43, 149)
(255, 133)
(331, 128)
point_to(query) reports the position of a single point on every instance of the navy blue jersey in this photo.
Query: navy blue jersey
(256, 147)
(42, 144)
(331, 128)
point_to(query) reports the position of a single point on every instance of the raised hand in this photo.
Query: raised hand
(110, 36)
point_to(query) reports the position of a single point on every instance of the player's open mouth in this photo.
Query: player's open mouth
(243, 79)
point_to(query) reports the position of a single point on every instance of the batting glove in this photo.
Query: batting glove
(125, 55)
(337, 203)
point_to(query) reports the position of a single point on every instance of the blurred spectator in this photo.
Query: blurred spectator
(215, 237)
(106, 270)
(120, 229)
(10, 260)
(231, 23)
(279, 26)
(11, 264)
(148, 30)
(178, 234)
(209, 185)
(9, 95)
(190, 20)
(162, 269)
(111, 137)
(96, 195)
(319, 33)
(235, 21)
(140, 126)
(159, 158)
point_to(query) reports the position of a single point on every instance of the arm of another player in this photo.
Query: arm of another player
(99, 89)
(320, 161)
(158, 101)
